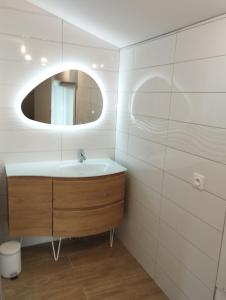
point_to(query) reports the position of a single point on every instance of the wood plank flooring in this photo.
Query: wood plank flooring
(88, 269)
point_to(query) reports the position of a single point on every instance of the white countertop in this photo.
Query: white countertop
(65, 168)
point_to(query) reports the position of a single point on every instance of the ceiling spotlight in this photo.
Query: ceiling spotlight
(23, 49)
(94, 66)
(28, 57)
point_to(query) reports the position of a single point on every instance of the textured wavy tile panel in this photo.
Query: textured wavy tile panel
(146, 151)
(208, 142)
(152, 129)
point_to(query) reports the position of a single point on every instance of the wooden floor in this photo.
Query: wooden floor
(87, 269)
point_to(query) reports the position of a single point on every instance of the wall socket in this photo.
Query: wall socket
(198, 181)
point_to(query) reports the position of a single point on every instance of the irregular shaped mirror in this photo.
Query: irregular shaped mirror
(71, 97)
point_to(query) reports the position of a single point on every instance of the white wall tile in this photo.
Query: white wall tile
(155, 79)
(20, 73)
(28, 141)
(111, 100)
(16, 157)
(150, 128)
(201, 235)
(148, 174)
(151, 104)
(123, 121)
(138, 215)
(208, 142)
(208, 75)
(8, 94)
(122, 141)
(221, 279)
(184, 165)
(103, 59)
(198, 263)
(88, 139)
(187, 115)
(168, 286)
(140, 254)
(30, 25)
(202, 41)
(109, 79)
(9, 120)
(90, 153)
(108, 121)
(200, 108)
(155, 52)
(146, 151)
(124, 101)
(126, 62)
(145, 195)
(194, 201)
(144, 238)
(10, 49)
(192, 287)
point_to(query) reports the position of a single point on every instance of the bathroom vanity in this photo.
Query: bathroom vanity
(65, 198)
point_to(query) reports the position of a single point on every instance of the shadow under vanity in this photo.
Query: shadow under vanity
(65, 198)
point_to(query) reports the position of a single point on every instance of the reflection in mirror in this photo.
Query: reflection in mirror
(68, 98)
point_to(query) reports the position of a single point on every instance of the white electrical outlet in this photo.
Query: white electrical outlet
(198, 181)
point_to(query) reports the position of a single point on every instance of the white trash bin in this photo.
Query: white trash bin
(10, 259)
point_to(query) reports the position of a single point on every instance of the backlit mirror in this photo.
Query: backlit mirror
(71, 97)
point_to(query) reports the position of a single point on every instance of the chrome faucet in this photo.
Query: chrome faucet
(82, 155)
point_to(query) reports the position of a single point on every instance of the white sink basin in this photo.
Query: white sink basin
(67, 168)
(90, 167)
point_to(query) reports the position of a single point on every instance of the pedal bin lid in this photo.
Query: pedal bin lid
(9, 248)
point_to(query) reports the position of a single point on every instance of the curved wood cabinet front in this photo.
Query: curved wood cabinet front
(87, 206)
(45, 206)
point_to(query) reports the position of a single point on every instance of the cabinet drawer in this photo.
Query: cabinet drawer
(30, 206)
(85, 222)
(88, 192)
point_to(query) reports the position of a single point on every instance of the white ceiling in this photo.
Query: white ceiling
(125, 22)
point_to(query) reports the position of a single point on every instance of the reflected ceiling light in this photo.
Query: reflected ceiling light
(44, 60)
(23, 49)
(28, 57)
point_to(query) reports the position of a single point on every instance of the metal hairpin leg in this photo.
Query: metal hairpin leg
(112, 233)
(56, 254)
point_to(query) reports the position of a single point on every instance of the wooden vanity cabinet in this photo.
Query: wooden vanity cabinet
(86, 206)
(30, 206)
(46, 206)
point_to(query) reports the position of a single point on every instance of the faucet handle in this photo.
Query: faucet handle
(82, 155)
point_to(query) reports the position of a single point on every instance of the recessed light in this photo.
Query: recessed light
(101, 65)
(94, 66)
(28, 57)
